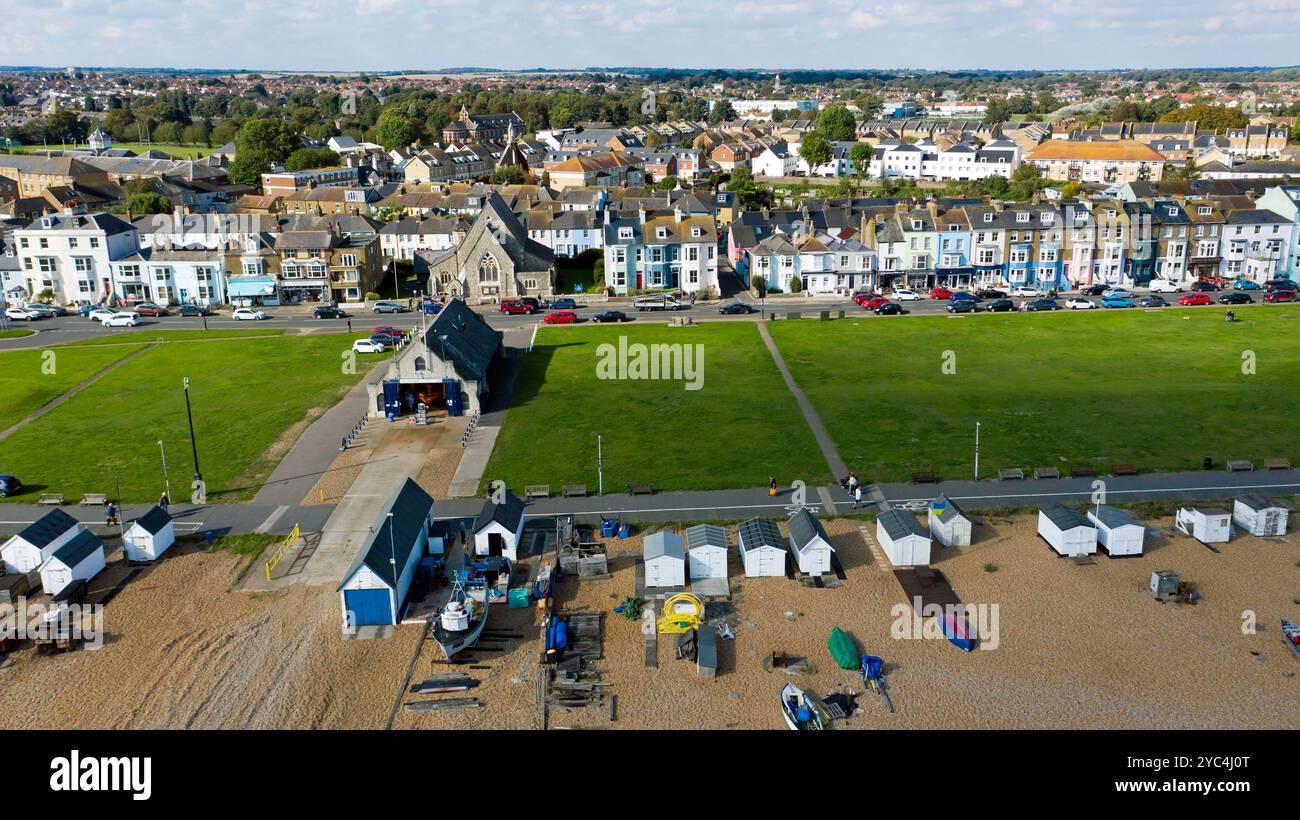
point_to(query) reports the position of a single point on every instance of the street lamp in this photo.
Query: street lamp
(977, 451)
(392, 550)
(189, 416)
(166, 480)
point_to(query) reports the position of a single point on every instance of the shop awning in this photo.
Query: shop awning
(251, 285)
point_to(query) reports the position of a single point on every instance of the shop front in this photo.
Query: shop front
(254, 291)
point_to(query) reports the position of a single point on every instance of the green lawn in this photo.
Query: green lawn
(32, 378)
(1151, 388)
(15, 334)
(178, 151)
(247, 394)
(137, 337)
(739, 428)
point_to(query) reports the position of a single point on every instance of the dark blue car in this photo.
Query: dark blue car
(564, 304)
(964, 296)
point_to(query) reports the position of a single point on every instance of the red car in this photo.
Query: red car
(514, 306)
(1280, 296)
(874, 302)
(150, 309)
(561, 317)
(389, 330)
(940, 293)
(1195, 299)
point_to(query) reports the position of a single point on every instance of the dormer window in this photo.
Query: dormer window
(624, 233)
(988, 217)
(1047, 219)
(662, 233)
(696, 232)
(1203, 210)
(917, 225)
(1022, 217)
(1173, 211)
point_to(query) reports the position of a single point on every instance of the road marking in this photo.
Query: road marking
(266, 525)
(1088, 493)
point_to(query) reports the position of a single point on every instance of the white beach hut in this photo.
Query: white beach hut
(706, 551)
(500, 527)
(80, 559)
(762, 549)
(1067, 531)
(32, 547)
(149, 536)
(903, 539)
(809, 544)
(1209, 525)
(1258, 515)
(948, 525)
(664, 555)
(1118, 532)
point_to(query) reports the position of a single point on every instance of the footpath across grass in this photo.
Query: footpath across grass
(1157, 389)
(740, 427)
(29, 379)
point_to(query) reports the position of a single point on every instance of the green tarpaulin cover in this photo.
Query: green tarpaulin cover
(842, 649)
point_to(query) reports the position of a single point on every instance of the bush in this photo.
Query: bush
(371, 296)
(796, 284)
(990, 567)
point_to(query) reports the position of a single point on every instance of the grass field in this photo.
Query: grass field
(131, 337)
(1151, 388)
(15, 334)
(742, 426)
(26, 382)
(178, 151)
(251, 399)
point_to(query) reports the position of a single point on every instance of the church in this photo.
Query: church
(496, 260)
(481, 127)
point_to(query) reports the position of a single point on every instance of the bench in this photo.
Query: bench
(575, 490)
(1011, 474)
(1276, 464)
(50, 499)
(1123, 469)
(924, 478)
(1046, 472)
(1240, 466)
(92, 499)
(1082, 472)
(537, 491)
(640, 489)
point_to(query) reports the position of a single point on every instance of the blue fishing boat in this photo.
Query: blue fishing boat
(955, 630)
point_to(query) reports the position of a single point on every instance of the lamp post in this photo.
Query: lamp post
(977, 451)
(392, 557)
(600, 468)
(166, 480)
(189, 416)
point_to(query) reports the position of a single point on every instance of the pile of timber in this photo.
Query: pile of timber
(575, 683)
(449, 682)
(585, 634)
(442, 705)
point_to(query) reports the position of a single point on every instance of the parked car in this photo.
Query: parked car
(1027, 291)
(516, 307)
(990, 293)
(100, 314)
(1040, 304)
(1236, 297)
(387, 307)
(23, 314)
(432, 308)
(962, 306)
(126, 318)
(940, 293)
(85, 310)
(875, 302)
(1202, 286)
(1281, 283)
(612, 316)
(385, 339)
(1109, 301)
(368, 346)
(1280, 296)
(243, 314)
(738, 307)
(1000, 306)
(1079, 303)
(965, 296)
(9, 485)
(1096, 289)
(389, 330)
(1195, 299)
(46, 311)
(888, 309)
(906, 295)
(1245, 284)
(195, 310)
(1119, 293)
(328, 312)
(1151, 300)
(563, 303)
(1163, 286)
(150, 309)
(561, 317)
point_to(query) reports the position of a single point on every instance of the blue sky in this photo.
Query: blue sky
(412, 34)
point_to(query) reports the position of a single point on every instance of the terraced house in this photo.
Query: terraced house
(68, 255)
(656, 252)
(1109, 162)
(1257, 243)
(1032, 246)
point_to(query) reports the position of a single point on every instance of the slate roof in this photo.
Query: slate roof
(900, 524)
(507, 514)
(47, 528)
(706, 535)
(464, 337)
(153, 521)
(410, 505)
(79, 548)
(1065, 518)
(805, 528)
(760, 532)
(1257, 502)
(950, 509)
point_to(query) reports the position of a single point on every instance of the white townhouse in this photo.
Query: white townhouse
(968, 161)
(1285, 201)
(403, 238)
(895, 159)
(567, 233)
(165, 276)
(839, 165)
(201, 230)
(1256, 244)
(69, 254)
(776, 161)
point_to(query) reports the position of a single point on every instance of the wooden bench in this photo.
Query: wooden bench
(1046, 472)
(1123, 469)
(1082, 472)
(1011, 474)
(640, 489)
(537, 491)
(924, 478)
(1240, 466)
(575, 491)
(50, 499)
(92, 499)
(1276, 464)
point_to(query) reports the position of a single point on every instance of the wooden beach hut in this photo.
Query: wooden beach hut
(1118, 532)
(904, 540)
(1067, 531)
(948, 525)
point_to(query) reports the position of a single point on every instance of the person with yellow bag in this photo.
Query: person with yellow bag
(771, 485)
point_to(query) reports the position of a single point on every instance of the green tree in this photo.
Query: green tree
(397, 130)
(999, 110)
(148, 203)
(837, 124)
(796, 284)
(815, 150)
(860, 155)
(1025, 181)
(721, 112)
(869, 103)
(506, 175)
(305, 158)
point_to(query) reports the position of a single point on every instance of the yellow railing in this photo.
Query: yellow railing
(294, 535)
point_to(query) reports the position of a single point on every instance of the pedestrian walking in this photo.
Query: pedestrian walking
(110, 514)
(857, 496)
(163, 500)
(349, 325)
(771, 485)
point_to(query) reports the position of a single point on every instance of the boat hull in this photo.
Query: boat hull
(1289, 631)
(452, 643)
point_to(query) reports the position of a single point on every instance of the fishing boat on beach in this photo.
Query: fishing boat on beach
(461, 621)
(802, 713)
(1291, 634)
(956, 631)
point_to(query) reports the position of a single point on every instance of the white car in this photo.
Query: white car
(100, 314)
(1079, 303)
(1118, 293)
(1027, 292)
(22, 314)
(123, 319)
(248, 313)
(367, 346)
(1164, 286)
(905, 295)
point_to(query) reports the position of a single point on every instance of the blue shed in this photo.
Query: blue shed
(374, 589)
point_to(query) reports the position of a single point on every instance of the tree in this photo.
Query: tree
(999, 110)
(860, 155)
(506, 175)
(837, 124)
(721, 112)
(305, 158)
(1025, 181)
(815, 150)
(148, 203)
(666, 184)
(396, 130)
(1070, 190)
(1217, 117)
(869, 103)
(994, 186)
(64, 125)
(276, 139)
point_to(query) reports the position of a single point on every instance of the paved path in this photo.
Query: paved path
(469, 473)
(824, 441)
(189, 518)
(33, 416)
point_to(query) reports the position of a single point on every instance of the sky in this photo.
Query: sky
(377, 35)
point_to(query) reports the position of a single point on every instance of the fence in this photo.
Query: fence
(293, 536)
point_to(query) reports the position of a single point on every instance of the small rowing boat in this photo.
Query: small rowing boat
(801, 712)
(1291, 634)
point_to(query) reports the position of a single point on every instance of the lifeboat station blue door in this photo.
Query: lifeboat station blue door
(392, 399)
